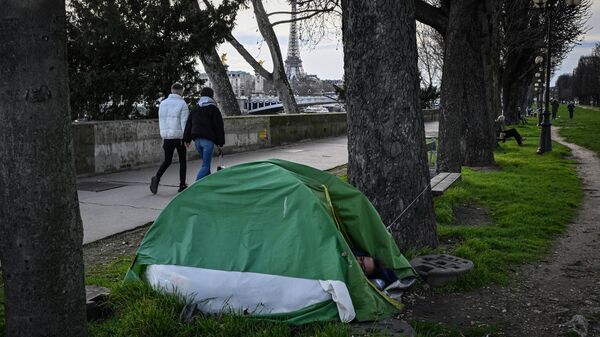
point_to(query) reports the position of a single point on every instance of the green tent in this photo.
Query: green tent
(271, 239)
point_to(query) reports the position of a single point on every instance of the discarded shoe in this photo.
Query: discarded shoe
(154, 185)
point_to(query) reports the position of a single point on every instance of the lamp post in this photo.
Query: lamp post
(545, 144)
(538, 102)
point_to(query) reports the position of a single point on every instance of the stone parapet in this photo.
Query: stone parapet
(110, 146)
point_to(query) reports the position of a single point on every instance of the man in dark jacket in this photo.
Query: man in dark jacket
(571, 108)
(205, 127)
(555, 106)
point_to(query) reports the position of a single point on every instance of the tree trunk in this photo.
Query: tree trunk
(514, 96)
(40, 226)
(480, 148)
(518, 73)
(280, 80)
(220, 82)
(466, 128)
(386, 137)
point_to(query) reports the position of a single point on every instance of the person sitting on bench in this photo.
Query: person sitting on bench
(504, 134)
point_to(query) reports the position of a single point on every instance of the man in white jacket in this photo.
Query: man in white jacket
(172, 117)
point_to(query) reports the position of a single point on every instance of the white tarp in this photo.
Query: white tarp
(217, 291)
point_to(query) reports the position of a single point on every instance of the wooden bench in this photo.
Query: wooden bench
(441, 182)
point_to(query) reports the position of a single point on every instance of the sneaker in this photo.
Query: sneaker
(154, 185)
(182, 187)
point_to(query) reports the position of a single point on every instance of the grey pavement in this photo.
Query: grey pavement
(117, 202)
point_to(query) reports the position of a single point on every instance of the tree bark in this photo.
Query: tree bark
(40, 226)
(479, 129)
(466, 125)
(518, 73)
(280, 80)
(514, 96)
(220, 82)
(386, 136)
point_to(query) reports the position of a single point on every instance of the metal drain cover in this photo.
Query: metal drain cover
(97, 186)
(440, 269)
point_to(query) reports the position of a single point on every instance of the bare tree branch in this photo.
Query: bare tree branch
(306, 17)
(432, 16)
(249, 58)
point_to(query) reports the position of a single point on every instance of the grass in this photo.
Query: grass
(582, 129)
(109, 275)
(142, 311)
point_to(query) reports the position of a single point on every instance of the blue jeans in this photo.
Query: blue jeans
(205, 149)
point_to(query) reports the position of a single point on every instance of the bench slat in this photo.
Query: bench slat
(441, 182)
(438, 178)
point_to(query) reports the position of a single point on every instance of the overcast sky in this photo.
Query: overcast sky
(326, 59)
(587, 44)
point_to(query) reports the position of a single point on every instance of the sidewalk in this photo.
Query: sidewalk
(113, 203)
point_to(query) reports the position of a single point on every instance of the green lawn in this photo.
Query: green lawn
(582, 129)
(531, 198)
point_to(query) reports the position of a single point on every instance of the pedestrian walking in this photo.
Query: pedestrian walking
(173, 114)
(571, 108)
(555, 106)
(205, 127)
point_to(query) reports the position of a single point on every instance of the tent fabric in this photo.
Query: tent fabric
(211, 289)
(281, 219)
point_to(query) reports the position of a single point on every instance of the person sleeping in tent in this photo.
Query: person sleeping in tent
(380, 276)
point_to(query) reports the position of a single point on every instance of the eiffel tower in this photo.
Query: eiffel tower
(293, 63)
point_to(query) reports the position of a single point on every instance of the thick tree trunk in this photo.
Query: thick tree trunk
(220, 82)
(280, 81)
(40, 226)
(514, 96)
(386, 136)
(481, 138)
(518, 73)
(466, 127)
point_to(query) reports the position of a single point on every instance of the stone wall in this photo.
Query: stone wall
(110, 146)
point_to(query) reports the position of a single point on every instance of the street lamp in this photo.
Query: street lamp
(539, 60)
(545, 136)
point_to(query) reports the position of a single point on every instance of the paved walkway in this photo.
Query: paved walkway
(113, 203)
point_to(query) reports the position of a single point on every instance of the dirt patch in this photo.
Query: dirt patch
(447, 244)
(541, 297)
(472, 215)
(108, 249)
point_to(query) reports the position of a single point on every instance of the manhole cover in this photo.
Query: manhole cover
(440, 269)
(97, 186)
